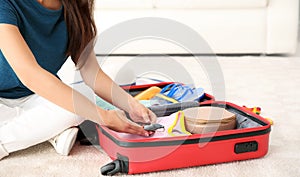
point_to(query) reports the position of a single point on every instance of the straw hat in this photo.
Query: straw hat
(206, 119)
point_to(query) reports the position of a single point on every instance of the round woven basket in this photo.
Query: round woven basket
(199, 120)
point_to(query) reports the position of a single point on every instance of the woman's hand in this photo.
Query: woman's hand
(117, 120)
(139, 113)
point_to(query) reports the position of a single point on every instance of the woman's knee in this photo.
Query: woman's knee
(55, 114)
(3, 152)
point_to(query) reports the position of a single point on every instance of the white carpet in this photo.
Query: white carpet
(269, 82)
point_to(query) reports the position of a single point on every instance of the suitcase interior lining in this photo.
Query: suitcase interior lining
(252, 122)
(243, 119)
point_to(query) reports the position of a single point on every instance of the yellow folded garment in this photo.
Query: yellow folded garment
(148, 94)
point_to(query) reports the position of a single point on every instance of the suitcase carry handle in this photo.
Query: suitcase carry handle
(112, 168)
(120, 165)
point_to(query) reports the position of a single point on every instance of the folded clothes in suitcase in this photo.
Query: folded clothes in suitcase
(134, 154)
(134, 90)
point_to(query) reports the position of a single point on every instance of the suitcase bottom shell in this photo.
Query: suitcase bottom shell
(250, 140)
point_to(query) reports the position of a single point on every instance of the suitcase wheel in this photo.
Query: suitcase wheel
(112, 168)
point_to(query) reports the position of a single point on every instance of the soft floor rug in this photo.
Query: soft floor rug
(269, 82)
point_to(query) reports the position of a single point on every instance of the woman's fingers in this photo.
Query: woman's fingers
(146, 116)
(129, 126)
(152, 117)
(139, 130)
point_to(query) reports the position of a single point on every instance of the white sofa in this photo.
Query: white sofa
(228, 26)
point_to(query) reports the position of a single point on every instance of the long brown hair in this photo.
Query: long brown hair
(80, 25)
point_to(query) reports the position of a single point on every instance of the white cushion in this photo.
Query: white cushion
(123, 4)
(197, 4)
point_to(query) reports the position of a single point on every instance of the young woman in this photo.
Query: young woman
(37, 36)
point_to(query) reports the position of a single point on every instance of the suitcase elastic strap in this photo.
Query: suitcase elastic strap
(178, 126)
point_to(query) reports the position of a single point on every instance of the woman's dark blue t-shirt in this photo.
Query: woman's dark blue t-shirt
(44, 31)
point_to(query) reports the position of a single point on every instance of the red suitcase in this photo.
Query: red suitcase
(150, 154)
